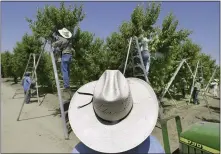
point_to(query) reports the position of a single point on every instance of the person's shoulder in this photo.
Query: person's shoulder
(62, 39)
(155, 146)
(150, 145)
(81, 148)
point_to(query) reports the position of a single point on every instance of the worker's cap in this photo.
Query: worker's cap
(27, 73)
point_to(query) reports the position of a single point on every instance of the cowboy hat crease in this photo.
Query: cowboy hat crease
(123, 113)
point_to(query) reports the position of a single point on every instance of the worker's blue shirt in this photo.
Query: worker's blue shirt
(26, 83)
(150, 145)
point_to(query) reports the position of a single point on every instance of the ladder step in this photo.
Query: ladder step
(136, 56)
(139, 75)
(139, 66)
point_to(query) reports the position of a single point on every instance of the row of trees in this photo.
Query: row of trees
(94, 55)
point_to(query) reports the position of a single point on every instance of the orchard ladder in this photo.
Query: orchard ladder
(136, 56)
(33, 76)
(61, 101)
(30, 67)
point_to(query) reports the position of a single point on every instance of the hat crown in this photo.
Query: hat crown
(65, 33)
(112, 97)
(65, 30)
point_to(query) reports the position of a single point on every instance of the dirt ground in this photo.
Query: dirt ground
(40, 130)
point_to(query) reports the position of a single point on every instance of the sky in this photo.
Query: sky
(103, 18)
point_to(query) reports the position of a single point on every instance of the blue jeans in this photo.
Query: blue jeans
(146, 60)
(28, 97)
(65, 69)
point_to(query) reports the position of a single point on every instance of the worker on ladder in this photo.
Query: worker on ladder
(196, 90)
(26, 83)
(183, 87)
(214, 86)
(65, 47)
(145, 52)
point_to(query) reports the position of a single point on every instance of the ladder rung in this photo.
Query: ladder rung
(139, 66)
(142, 75)
(137, 56)
(34, 96)
(30, 69)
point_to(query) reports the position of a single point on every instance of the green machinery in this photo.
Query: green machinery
(200, 138)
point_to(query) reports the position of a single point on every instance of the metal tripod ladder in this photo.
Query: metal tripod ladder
(193, 83)
(138, 65)
(137, 60)
(61, 101)
(30, 67)
(184, 61)
(33, 75)
(206, 89)
(211, 78)
(63, 113)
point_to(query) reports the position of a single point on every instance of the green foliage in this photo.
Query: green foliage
(143, 19)
(45, 71)
(208, 67)
(93, 56)
(6, 63)
(22, 50)
(168, 42)
(89, 61)
(51, 19)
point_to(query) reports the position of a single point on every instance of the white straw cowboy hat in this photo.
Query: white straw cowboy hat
(119, 115)
(216, 80)
(65, 33)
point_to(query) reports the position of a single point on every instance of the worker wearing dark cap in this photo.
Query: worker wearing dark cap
(26, 83)
(196, 91)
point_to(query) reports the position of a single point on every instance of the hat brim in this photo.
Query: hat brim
(61, 33)
(120, 137)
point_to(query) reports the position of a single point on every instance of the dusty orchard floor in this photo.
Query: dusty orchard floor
(41, 131)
